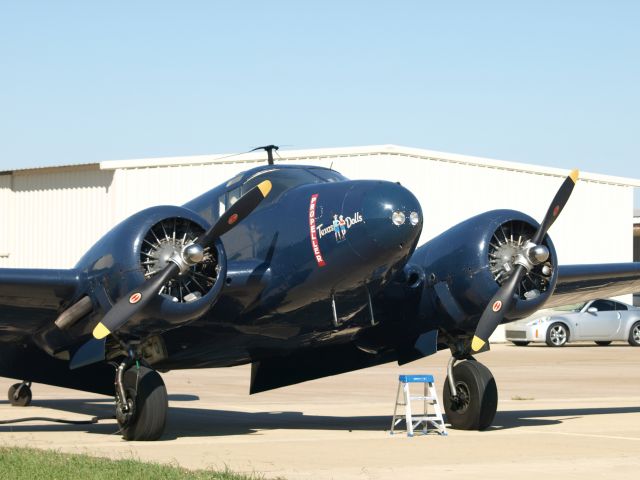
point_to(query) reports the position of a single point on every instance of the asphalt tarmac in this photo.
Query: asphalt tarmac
(572, 412)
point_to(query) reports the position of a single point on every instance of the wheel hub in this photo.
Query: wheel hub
(462, 400)
(125, 415)
(558, 335)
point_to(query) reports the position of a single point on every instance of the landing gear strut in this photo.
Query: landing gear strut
(19, 394)
(470, 395)
(141, 401)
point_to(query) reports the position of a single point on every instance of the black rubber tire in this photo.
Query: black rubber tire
(520, 343)
(559, 327)
(475, 382)
(603, 343)
(24, 397)
(147, 389)
(634, 335)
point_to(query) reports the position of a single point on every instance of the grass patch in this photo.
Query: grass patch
(518, 397)
(33, 464)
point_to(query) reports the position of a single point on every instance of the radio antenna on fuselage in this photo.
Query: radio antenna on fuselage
(269, 149)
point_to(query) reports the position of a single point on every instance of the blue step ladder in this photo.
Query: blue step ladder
(429, 397)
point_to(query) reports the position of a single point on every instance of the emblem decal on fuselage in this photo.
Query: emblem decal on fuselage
(312, 230)
(340, 226)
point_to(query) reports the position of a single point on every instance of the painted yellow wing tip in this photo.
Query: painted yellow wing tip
(265, 187)
(574, 175)
(100, 331)
(477, 343)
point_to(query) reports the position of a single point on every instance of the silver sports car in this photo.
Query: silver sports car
(601, 321)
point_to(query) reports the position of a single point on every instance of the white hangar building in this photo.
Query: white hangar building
(51, 216)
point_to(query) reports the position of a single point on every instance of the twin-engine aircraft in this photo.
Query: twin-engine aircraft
(298, 271)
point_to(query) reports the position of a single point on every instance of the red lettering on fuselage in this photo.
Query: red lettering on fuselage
(312, 230)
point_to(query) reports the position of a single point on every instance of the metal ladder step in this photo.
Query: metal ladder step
(429, 398)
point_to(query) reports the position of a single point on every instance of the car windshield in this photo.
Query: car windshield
(574, 307)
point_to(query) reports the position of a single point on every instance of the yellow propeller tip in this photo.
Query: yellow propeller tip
(100, 331)
(477, 343)
(265, 187)
(574, 175)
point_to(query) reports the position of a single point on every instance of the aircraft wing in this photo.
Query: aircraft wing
(31, 297)
(579, 283)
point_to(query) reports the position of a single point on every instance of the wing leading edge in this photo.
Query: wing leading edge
(37, 288)
(30, 298)
(579, 283)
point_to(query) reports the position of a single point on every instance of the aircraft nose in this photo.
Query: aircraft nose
(391, 218)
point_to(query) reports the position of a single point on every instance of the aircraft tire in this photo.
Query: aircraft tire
(24, 397)
(478, 397)
(149, 394)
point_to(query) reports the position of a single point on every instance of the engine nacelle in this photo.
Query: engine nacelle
(461, 269)
(138, 248)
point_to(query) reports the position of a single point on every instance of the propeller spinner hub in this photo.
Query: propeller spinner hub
(193, 254)
(538, 254)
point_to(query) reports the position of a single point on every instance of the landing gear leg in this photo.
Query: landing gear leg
(19, 394)
(470, 395)
(141, 401)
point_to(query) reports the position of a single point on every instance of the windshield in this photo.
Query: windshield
(574, 307)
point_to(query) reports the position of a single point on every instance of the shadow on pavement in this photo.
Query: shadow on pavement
(535, 418)
(197, 422)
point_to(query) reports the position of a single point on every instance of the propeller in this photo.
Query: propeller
(535, 254)
(191, 254)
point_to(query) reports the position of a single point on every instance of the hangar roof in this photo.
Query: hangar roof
(338, 152)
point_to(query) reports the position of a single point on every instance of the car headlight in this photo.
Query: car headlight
(538, 321)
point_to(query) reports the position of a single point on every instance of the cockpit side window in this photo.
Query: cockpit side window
(282, 179)
(328, 175)
(228, 199)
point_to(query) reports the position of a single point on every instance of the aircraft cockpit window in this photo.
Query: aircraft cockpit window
(328, 175)
(281, 180)
(228, 199)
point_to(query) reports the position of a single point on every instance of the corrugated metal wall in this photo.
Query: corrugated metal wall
(7, 224)
(57, 215)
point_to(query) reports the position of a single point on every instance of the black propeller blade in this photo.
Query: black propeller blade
(504, 298)
(138, 298)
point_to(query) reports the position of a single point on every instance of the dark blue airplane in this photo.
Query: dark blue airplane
(296, 270)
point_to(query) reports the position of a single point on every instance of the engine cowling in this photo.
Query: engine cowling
(139, 247)
(461, 269)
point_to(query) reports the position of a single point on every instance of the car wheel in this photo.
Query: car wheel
(603, 343)
(557, 335)
(634, 335)
(521, 343)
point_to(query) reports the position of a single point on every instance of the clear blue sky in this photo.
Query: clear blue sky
(546, 82)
